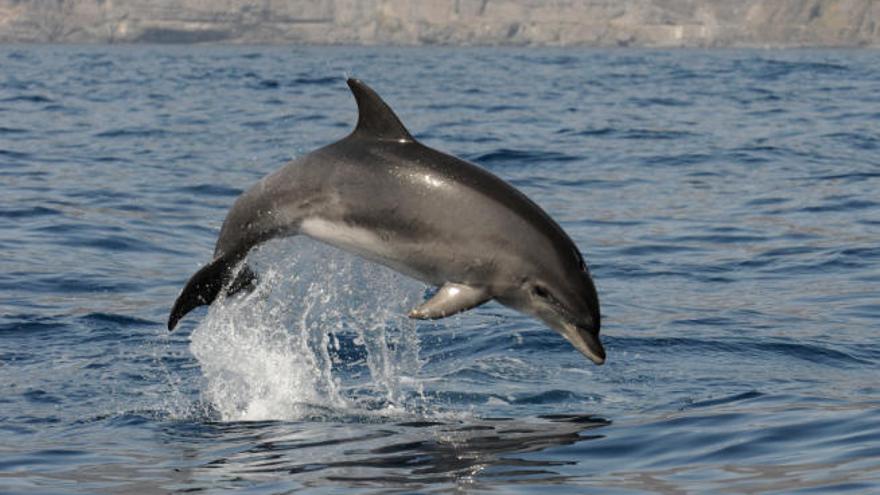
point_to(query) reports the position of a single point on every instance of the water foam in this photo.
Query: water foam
(324, 333)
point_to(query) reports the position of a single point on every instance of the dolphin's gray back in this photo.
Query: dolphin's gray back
(430, 215)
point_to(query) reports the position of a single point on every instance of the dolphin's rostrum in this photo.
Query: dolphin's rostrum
(381, 194)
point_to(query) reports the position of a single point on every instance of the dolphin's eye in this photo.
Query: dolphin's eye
(541, 292)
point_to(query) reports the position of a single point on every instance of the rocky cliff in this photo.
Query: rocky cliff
(652, 23)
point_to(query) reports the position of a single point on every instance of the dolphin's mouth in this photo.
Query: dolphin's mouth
(586, 342)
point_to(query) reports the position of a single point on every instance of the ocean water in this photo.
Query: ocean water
(726, 201)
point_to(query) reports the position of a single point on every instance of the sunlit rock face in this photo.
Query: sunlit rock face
(650, 23)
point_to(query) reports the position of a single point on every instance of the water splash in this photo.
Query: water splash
(324, 333)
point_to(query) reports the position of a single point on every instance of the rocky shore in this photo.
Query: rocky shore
(602, 23)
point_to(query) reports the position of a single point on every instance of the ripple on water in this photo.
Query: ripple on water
(725, 200)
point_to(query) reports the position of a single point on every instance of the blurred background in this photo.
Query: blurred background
(605, 23)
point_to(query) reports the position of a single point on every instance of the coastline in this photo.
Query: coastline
(563, 23)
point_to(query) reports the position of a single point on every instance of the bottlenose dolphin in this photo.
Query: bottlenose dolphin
(382, 195)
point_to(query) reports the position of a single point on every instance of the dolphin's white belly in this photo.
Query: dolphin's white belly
(368, 244)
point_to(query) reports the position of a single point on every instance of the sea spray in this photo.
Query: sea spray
(323, 331)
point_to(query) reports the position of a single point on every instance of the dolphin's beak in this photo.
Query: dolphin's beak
(585, 341)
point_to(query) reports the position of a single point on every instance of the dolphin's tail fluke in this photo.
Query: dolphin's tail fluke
(207, 283)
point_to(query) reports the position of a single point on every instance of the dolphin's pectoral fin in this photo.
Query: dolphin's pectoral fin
(449, 300)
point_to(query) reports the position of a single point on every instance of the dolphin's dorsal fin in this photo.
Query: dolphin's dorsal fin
(376, 120)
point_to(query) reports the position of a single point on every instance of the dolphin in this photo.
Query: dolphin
(382, 195)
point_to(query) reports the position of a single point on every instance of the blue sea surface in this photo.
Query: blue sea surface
(726, 201)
